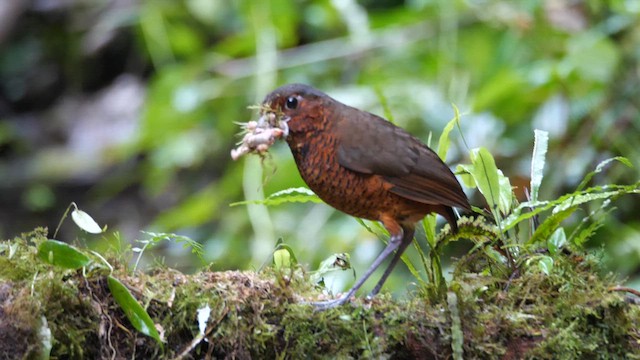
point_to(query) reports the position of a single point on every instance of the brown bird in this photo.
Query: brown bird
(365, 166)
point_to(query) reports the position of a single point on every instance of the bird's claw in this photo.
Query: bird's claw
(328, 304)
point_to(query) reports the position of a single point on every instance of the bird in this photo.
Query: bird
(367, 167)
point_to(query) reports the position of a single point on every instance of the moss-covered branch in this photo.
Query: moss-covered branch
(568, 314)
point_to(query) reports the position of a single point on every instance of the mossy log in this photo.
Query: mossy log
(570, 314)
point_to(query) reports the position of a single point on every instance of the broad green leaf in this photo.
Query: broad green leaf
(556, 241)
(541, 141)
(132, 309)
(85, 221)
(485, 174)
(300, 194)
(506, 193)
(493, 185)
(62, 254)
(465, 171)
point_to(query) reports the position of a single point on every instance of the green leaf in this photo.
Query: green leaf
(493, 185)
(300, 194)
(556, 241)
(185, 241)
(545, 264)
(465, 171)
(537, 161)
(506, 193)
(132, 309)
(494, 255)
(85, 222)
(429, 225)
(412, 269)
(366, 226)
(564, 202)
(581, 199)
(590, 224)
(550, 225)
(444, 141)
(587, 232)
(335, 262)
(601, 167)
(290, 259)
(62, 254)
(156, 238)
(281, 259)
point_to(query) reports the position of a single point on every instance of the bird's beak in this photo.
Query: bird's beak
(270, 120)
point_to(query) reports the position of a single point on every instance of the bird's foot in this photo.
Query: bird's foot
(329, 304)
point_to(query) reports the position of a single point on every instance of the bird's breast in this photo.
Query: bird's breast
(357, 194)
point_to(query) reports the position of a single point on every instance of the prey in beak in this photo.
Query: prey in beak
(261, 134)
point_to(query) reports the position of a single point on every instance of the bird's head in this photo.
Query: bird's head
(300, 106)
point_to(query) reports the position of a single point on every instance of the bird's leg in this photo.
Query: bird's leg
(395, 241)
(407, 238)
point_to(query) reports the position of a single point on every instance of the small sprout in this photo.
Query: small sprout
(332, 264)
(260, 135)
(85, 221)
(283, 256)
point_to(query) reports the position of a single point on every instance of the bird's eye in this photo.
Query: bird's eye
(292, 103)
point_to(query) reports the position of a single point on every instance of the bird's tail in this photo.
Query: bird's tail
(450, 216)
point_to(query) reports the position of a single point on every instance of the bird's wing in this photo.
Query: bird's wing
(371, 145)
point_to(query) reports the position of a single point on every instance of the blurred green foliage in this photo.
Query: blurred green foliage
(570, 68)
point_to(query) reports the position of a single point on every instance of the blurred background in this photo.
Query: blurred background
(128, 107)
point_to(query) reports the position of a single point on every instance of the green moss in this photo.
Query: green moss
(569, 313)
